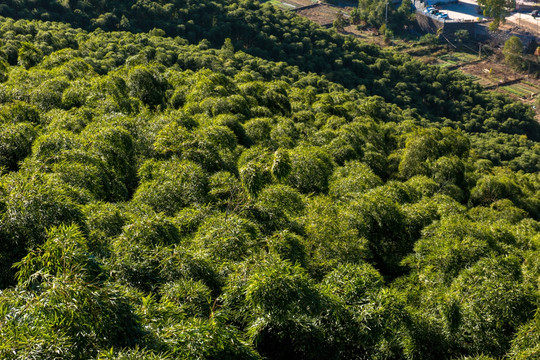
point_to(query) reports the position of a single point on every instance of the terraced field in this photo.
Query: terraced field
(523, 90)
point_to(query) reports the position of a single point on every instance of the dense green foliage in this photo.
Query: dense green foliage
(262, 31)
(383, 14)
(513, 50)
(498, 10)
(161, 199)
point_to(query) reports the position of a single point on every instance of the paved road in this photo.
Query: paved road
(466, 10)
(463, 10)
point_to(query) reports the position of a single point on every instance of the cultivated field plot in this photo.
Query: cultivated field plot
(496, 77)
(324, 14)
(291, 4)
(455, 59)
(299, 3)
(523, 89)
(281, 5)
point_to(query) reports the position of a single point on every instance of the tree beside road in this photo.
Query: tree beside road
(498, 10)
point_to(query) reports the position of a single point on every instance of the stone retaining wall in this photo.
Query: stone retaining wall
(428, 24)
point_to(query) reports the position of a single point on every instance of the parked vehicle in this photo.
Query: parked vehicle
(535, 14)
(442, 16)
(428, 10)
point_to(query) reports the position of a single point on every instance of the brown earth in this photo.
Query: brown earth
(324, 14)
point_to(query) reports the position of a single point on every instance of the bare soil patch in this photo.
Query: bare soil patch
(324, 14)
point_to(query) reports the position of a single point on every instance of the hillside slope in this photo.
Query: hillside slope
(265, 32)
(161, 199)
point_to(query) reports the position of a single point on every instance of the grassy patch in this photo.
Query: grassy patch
(472, 77)
(450, 58)
(280, 4)
(457, 58)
